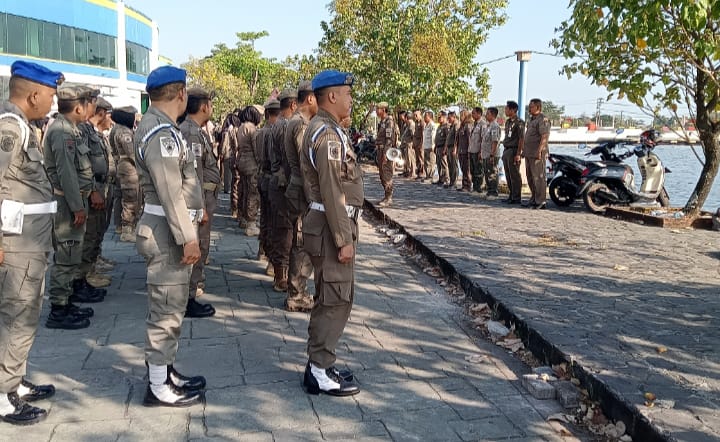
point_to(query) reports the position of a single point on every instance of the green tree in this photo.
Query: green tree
(411, 54)
(659, 54)
(230, 91)
(554, 112)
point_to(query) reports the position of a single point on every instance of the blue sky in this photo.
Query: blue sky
(294, 27)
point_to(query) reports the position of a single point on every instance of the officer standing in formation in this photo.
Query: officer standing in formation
(97, 214)
(26, 239)
(263, 145)
(281, 235)
(386, 139)
(535, 150)
(167, 234)
(199, 111)
(406, 143)
(334, 188)
(512, 153)
(298, 299)
(69, 168)
(121, 141)
(441, 138)
(451, 149)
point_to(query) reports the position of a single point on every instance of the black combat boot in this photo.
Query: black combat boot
(196, 310)
(30, 392)
(24, 413)
(61, 317)
(328, 381)
(85, 293)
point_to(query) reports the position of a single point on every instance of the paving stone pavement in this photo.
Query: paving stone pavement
(612, 295)
(405, 342)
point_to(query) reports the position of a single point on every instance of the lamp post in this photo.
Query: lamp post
(523, 57)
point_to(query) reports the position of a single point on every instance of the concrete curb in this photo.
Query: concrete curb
(614, 407)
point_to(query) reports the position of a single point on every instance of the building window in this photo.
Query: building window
(16, 34)
(137, 58)
(37, 38)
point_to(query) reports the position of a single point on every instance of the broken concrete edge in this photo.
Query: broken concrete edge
(612, 403)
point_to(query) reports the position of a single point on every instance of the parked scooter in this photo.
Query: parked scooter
(613, 182)
(364, 147)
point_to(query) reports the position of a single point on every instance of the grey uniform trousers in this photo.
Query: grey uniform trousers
(168, 283)
(198, 272)
(68, 242)
(21, 296)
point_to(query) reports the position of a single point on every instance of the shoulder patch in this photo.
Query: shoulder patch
(7, 142)
(169, 148)
(197, 149)
(334, 150)
(70, 144)
(127, 139)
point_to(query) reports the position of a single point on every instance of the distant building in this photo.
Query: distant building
(102, 43)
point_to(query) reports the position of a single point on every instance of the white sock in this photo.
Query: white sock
(324, 382)
(164, 393)
(5, 406)
(22, 390)
(157, 374)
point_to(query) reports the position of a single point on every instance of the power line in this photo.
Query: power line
(497, 59)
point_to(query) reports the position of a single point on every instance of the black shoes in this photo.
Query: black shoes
(80, 312)
(185, 383)
(24, 413)
(31, 392)
(542, 206)
(168, 395)
(328, 381)
(85, 293)
(196, 310)
(62, 317)
(511, 201)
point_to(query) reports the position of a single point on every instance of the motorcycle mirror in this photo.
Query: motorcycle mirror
(619, 130)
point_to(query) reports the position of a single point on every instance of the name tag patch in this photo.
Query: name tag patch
(334, 151)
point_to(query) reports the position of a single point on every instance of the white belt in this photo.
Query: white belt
(157, 210)
(40, 208)
(352, 211)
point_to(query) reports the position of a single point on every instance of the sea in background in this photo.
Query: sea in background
(683, 164)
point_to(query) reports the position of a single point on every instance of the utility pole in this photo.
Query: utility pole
(597, 112)
(523, 57)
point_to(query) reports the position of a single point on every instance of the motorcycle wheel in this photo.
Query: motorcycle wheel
(562, 191)
(664, 198)
(594, 202)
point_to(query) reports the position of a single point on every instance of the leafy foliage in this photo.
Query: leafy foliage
(411, 53)
(658, 54)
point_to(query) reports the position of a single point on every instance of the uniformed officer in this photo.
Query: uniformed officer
(386, 139)
(406, 143)
(441, 138)
(121, 140)
(263, 145)
(97, 111)
(282, 226)
(25, 235)
(451, 150)
(333, 180)
(298, 299)
(247, 167)
(67, 159)
(167, 234)
(199, 111)
(418, 145)
(535, 150)
(512, 152)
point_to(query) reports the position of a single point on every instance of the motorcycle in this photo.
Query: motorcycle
(364, 146)
(566, 172)
(613, 182)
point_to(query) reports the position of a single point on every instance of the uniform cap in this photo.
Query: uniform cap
(442, 113)
(287, 93)
(91, 92)
(272, 104)
(197, 92)
(259, 108)
(127, 109)
(103, 104)
(331, 78)
(165, 75)
(305, 86)
(68, 92)
(382, 105)
(36, 73)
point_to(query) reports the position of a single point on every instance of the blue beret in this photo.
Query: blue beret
(165, 75)
(332, 78)
(36, 73)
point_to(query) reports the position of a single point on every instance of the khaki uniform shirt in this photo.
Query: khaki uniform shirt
(278, 161)
(121, 140)
(538, 126)
(67, 160)
(386, 133)
(293, 148)
(491, 134)
(332, 175)
(408, 134)
(463, 138)
(23, 179)
(418, 134)
(441, 137)
(98, 155)
(451, 142)
(476, 133)
(429, 132)
(246, 161)
(166, 170)
(207, 163)
(514, 131)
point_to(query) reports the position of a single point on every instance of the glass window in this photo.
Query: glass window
(34, 37)
(50, 41)
(137, 58)
(16, 35)
(81, 46)
(112, 50)
(94, 56)
(3, 32)
(67, 44)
